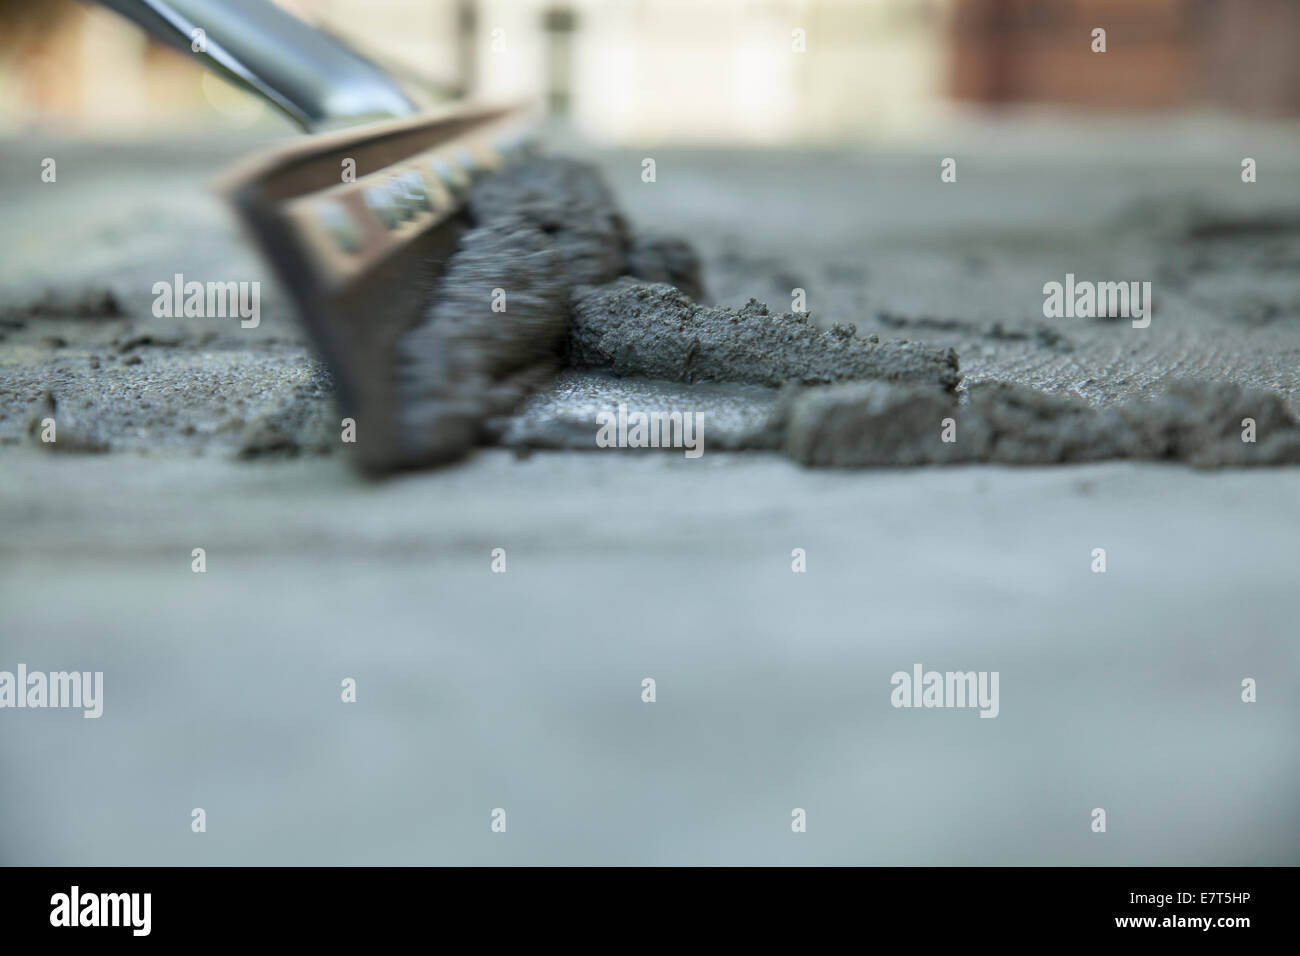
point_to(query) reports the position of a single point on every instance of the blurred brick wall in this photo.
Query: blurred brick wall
(1159, 54)
(1250, 55)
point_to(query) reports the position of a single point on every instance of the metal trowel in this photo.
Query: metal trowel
(358, 218)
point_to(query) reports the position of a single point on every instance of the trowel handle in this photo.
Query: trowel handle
(311, 76)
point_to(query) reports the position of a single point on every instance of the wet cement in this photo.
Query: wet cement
(550, 233)
(773, 686)
(156, 399)
(864, 424)
(657, 331)
(846, 401)
(570, 203)
(495, 330)
(876, 404)
(1127, 682)
(737, 417)
(882, 424)
(536, 282)
(466, 362)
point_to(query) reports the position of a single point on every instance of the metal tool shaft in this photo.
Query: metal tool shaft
(314, 78)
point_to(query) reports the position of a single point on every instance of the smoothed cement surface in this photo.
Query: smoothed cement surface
(522, 690)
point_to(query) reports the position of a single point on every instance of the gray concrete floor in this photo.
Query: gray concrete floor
(522, 690)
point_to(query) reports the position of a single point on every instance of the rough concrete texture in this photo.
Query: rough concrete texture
(656, 331)
(864, 424)
(892, 397)
(125, 380)
(158, 398)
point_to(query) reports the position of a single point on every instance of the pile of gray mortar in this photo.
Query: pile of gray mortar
(620, 311)
(599, 316)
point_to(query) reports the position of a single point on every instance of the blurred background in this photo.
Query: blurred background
(698, 71)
